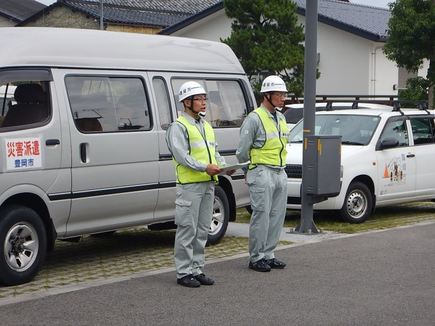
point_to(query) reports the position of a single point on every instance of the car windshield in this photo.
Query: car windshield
(354, 129)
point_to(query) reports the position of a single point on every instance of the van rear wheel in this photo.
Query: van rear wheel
(220, 218)
(23, 242)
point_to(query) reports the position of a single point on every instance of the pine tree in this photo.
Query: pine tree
(267, 39)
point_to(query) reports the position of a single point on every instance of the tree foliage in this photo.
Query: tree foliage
(416, 90)
(267, 39)
(412, 34)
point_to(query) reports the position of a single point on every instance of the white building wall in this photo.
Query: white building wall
(344, 62)
(212, 28)
(384, 74)
(4, 22)
(348, 64)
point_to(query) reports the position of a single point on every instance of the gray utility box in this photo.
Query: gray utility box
(323, 154)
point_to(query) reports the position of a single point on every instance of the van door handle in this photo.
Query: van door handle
(52, 142)
(410, 155)
(83, 152)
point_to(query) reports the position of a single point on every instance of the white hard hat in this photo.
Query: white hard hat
(273, 84)
(188, 89)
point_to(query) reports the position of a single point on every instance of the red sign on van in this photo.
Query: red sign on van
(23, 153)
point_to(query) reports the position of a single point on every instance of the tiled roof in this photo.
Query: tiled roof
(19, 10)
(123, 14)
(155, 13)
(365, 21)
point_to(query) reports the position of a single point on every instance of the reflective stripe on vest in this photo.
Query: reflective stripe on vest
(274, 149)
(201, 149)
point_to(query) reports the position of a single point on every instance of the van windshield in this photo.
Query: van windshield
(354, 129)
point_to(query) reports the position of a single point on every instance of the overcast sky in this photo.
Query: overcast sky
(376, 3)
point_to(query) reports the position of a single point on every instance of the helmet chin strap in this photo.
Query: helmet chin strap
(268, 100)
(191, 106)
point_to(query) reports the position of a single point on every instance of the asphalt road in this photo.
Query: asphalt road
(380, 278)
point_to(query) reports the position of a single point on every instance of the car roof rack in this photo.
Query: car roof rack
(419, 104)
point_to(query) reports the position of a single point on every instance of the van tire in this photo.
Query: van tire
(23, 243)
(220, 218)
(358, 203)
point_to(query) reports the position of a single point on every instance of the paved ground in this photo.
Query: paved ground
(377, 278)
(130, 252)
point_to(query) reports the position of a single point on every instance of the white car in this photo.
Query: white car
(387, 158)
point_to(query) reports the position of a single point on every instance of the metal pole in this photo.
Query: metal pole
(310, 64)
(101, 15)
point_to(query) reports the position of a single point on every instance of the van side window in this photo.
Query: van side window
(163, 104)
(226, 104)
(23, 103)
(108, 104)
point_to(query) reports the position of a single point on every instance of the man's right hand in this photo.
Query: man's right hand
(212, 169)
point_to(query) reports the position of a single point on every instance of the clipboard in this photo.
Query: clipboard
(226, 168)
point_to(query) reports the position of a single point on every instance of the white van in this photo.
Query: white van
(82, 141)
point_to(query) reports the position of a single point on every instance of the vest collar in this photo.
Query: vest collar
(267, 111)
(191, 120)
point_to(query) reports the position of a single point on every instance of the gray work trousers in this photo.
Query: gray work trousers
(193, 214)
(268, 192)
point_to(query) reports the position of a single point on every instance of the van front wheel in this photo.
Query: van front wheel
(220, 218)
(23, 242)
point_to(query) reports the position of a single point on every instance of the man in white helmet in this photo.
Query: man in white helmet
(191, 141)
(263, 139)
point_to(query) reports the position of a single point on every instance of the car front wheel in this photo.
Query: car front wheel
(24, 244)
(358, 203)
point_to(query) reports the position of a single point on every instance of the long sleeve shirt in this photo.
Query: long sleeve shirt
(253, 135)
(178, 143)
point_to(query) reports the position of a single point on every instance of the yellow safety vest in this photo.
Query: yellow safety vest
(274, 149)
(201, 149)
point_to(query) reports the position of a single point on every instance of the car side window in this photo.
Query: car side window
(396, 129)
(24, 99)
(422, 130)
(108, 104)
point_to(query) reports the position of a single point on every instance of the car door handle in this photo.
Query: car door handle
(83, 152)
(52, 142)
(410, 155)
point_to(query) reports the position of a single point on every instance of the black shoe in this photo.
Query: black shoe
(275, 263)
(259, 266)
(188, 281)
(204, 280)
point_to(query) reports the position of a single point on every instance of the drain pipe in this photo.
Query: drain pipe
(373, 80)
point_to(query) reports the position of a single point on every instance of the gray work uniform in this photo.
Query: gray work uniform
(267, 189)
(193, 203)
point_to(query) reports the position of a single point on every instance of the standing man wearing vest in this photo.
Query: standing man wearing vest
(263, 139)
(191, 141)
